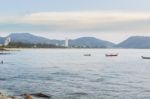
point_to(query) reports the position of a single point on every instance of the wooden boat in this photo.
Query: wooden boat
(111, 55)
(87, 54)
(143, 57)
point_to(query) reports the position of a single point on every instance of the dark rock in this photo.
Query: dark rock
(13, 97)
(41, 95)
(28, 97)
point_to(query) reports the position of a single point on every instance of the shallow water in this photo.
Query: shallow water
(68, 74)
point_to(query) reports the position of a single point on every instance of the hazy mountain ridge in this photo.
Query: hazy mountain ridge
(92, 42)
(2, 40)
(83, 41)
(29, 38)
(136, 42)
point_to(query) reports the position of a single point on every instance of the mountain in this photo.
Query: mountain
(80, 42)
(2, 40)
(90, 42)
(136, 42)
(29, 38)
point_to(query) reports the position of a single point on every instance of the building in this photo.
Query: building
(66, 43)
(7, 41)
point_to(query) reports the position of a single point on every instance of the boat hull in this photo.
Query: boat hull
(145, 57)
(87, 54)
(111, 55)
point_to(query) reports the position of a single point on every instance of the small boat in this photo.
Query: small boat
(87, 54)
(1, 53)
(111, 55)
(143, 57)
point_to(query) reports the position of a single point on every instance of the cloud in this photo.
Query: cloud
(82, 18)
(85, 21)
(82, 21)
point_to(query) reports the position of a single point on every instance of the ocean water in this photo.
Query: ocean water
(68, 74)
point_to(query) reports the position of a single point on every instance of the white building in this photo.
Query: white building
(7, 41)
(66, 43)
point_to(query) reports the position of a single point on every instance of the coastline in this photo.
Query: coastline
(26, 96)
(19, 49)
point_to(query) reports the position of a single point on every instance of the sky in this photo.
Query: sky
(113, 20)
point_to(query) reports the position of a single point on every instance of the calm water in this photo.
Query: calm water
(67, 74)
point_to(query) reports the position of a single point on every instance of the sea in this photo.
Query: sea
(68, 74)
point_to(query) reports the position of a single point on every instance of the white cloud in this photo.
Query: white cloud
(82, 17)
(89, 21)
(79, 22)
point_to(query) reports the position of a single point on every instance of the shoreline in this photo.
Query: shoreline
(26, 96)
(19, 49)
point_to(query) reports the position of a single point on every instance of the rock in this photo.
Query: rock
(3, 96)
(28, 97)
(41, 95)
(14, 97)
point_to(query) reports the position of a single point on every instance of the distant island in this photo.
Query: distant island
(27, 40)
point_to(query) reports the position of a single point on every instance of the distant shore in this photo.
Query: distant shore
(19, 49)
(3, 49)
(9, 49)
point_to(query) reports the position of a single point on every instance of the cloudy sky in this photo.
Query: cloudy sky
(112, 20)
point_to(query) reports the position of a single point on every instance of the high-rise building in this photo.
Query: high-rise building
(66, 43)
(7, 41)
